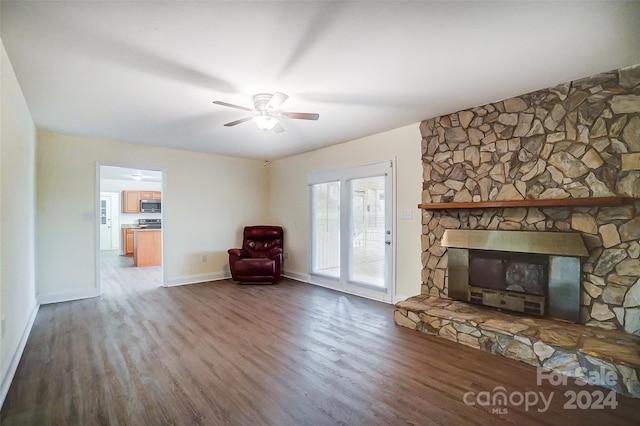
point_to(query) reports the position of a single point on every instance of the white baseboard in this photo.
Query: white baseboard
(400, 298)
(10, 371)
(44, 299)
(305, 278)
(329, 286)
(196, 279)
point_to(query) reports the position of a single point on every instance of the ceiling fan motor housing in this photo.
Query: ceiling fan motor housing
(261, 100)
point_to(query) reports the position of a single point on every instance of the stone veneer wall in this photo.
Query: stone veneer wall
(579, 139)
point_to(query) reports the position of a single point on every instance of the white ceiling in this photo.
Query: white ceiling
(147, 72)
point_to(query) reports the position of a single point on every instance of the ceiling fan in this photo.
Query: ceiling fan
(265, 112)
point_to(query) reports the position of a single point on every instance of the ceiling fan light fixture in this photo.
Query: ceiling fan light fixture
(266, 112)
(265, 122)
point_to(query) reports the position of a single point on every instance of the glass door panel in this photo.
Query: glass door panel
(368, 227)
(325, 228)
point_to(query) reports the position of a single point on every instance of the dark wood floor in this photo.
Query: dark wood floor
(289, 354)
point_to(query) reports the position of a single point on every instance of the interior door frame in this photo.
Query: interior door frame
(344, 174)
(96, 214)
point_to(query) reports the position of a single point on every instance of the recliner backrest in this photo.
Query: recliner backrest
(258, 240)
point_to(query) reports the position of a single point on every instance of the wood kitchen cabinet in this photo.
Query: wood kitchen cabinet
(130, 201)
(147, 250)
(150, 195)
(127, 240)
(146, 195)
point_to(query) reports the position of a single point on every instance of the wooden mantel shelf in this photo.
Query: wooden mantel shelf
(565, 202)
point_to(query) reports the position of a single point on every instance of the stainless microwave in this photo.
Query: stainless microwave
(150, 206)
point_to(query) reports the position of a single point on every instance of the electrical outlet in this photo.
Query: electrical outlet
(203, 258)
(287, 255)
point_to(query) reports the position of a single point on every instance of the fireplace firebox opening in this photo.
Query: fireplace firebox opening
(536, 273)
(513, 281)
(524, 273)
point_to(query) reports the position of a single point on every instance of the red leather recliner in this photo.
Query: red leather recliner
(260, 258)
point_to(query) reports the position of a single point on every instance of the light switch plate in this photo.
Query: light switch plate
(406, 214)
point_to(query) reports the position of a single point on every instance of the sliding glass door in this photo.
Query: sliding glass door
(351, 229)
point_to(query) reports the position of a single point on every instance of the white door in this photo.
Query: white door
(351, 230)
(105, 223)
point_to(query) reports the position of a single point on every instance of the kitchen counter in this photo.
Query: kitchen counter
(129, 226)
(134, 226)
(147, 247)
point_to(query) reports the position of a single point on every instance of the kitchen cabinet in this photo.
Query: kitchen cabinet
(147, 247)
(127, 241)
(150, 195)
(130, 201)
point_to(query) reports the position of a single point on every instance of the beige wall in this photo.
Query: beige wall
(17, 222)
(207, 199)
(289, 202)
(201, 204)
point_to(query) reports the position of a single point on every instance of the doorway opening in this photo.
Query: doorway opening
(129, 259)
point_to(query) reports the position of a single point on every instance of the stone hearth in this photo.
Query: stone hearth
(571, 349)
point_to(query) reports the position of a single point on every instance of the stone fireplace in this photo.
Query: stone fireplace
(577, 141)
(541, 162)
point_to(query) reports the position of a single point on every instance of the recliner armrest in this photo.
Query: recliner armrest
(275, 252)
(237, 252)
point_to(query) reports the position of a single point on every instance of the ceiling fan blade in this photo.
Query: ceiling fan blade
(302, 115)
(232, 105)
(242, 120)
(276, 100)
(278, 128)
